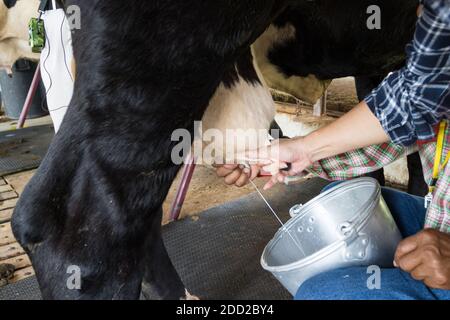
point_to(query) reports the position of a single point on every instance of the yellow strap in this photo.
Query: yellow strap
(439, 150)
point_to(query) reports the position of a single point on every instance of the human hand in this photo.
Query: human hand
(276, 157)
(426, 256)
(237, 175)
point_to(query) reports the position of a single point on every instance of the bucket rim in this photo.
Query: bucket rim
(322, 253)
(336, 245)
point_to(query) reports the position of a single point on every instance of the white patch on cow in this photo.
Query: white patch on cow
(243, 107)
(14, 32)
(308, 89)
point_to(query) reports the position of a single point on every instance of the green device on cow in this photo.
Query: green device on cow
(36, 34)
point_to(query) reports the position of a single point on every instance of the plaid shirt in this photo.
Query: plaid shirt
(411, 101)
(358, 162)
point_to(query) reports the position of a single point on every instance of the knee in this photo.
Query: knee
(24, 226)
(309, 290)
(341, 284)
(318, 287)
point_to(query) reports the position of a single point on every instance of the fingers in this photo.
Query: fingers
(420, 240)
(278, 175)
(425, 257)
(410, 261)
(270, 183)
(254, 172)
(432, 274)
(297, 168)
(242, 180)
(406, 246)
(233, 177)
(224, 171)
(236, 175)
(277, 178)
(420, 273)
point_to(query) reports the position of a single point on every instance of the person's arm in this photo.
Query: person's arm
(357, 129)
(412, 100)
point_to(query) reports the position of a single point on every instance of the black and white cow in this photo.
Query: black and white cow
(144, 70)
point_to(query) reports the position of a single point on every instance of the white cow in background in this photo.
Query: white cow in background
(14, 32)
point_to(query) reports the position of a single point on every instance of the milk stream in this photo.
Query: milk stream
(278, 218)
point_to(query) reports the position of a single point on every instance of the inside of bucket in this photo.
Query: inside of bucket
(321, 224)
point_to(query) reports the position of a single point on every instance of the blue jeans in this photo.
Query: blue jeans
(351, 283)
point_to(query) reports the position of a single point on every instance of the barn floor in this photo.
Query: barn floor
(207, 194)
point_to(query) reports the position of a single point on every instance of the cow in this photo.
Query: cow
(143, 71)
(14, 18)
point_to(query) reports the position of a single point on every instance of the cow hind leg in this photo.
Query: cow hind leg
(161, 280)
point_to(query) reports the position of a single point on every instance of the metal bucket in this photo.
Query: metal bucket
(15, 90)
(348, 225)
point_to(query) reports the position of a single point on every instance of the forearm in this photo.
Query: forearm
(357, 129)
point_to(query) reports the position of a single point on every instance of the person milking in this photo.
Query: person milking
(408, 112)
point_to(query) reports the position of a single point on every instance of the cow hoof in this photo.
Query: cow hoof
(190, 296)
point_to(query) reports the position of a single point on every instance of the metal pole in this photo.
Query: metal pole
(188, 172)
(30, 96)
(320, 108)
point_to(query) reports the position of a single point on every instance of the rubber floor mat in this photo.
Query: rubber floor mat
(24, 149)
(217, 253)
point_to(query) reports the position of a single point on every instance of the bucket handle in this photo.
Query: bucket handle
(356, 244)
(346, 229)
(295, 210)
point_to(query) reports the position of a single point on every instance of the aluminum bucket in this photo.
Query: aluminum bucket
(348, 225)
